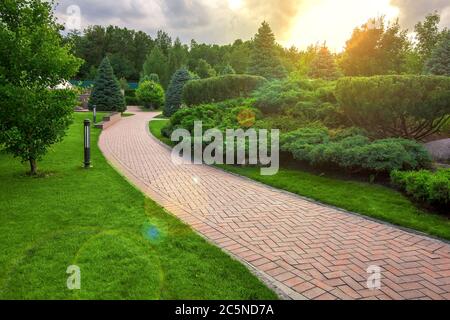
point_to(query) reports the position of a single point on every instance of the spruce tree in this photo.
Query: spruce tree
(264, 59)
(175, 91)
(439, 62)
(106, 94)
(323, 66)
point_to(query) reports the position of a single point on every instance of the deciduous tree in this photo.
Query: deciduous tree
(33, 60)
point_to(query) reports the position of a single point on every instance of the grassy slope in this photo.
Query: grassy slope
(368, 199)
(126, 245)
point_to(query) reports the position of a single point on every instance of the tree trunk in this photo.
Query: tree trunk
(33, 167)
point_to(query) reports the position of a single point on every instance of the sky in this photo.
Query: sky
(294, 22)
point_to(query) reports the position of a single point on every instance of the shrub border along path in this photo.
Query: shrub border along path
(307, 250)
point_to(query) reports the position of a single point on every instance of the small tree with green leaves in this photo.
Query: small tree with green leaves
(32, 60)
(439, 62)
(151, 94)
(106, 94)
(175, 91)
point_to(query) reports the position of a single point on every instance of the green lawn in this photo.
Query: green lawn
(126, 246)
(155, 129)
(367, 199)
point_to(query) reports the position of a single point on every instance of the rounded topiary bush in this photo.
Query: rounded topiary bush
(151, 94)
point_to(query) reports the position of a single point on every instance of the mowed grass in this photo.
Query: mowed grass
(155, 129)
(127, 247)
(371, 200)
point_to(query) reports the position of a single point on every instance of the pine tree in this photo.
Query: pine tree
(175, 91)
(439, 62)
(323, 66)
(264, 60)
(156, 62)
(106, 94)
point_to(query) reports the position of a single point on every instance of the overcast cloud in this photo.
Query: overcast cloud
(216, 21)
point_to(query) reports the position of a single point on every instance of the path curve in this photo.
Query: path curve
(304, 249)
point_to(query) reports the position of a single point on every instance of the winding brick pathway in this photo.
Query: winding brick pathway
(304, 249)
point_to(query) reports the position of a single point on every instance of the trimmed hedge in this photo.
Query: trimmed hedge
(411, 107)
(353, 151)
(221, 88)
(425, 186)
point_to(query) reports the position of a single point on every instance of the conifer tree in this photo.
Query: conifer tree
(175, 91)
(106, 94)
(264, 60)
(439, 62)
(323, 66)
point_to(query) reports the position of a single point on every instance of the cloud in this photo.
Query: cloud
(205, 20)
(413, 11)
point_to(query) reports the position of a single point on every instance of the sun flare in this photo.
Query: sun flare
(234, 4)
(333, 21)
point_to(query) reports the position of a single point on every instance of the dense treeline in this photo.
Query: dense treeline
(375, 48)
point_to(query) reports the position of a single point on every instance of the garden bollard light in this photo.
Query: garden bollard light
(87, 143)
(95, 114)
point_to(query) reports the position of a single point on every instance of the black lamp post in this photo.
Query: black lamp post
(87, 143)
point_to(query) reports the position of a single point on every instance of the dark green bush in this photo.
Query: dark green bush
(411, 107)
(425, 186)
(221, 88)
(130, 93)
(133, 101)
(351, 150)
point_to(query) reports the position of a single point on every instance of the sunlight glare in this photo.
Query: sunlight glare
(234, 4)
(333, 21)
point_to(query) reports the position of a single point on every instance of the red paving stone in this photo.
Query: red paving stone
(317, 251)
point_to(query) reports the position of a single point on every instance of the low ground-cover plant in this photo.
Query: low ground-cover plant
(352, 151)
(412, 107)
(303, 100)
(425, 186)
(223, 115)
(220, 88)
(151, 94)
